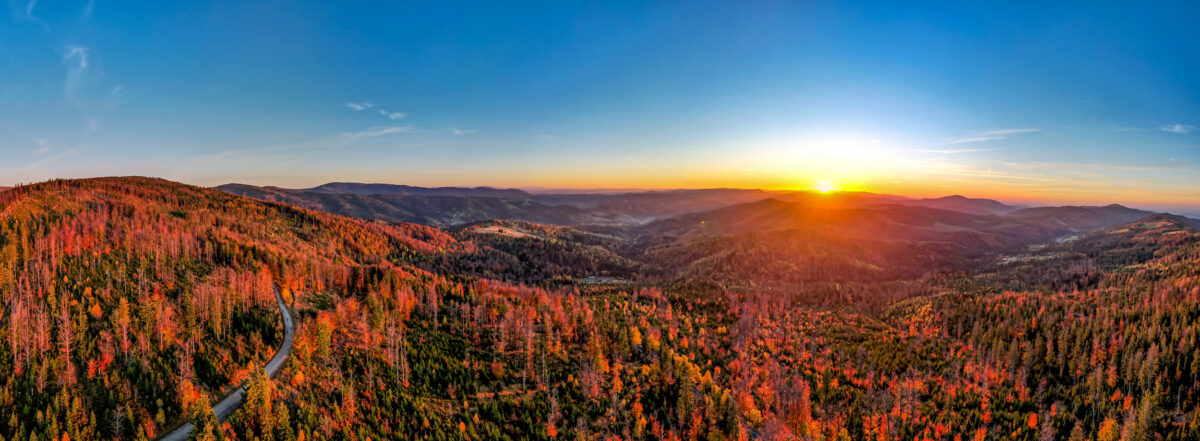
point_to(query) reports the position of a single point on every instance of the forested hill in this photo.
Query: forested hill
(448, 206)
(127, 301)
(128, 304)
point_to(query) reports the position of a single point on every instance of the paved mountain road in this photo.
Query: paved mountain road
(225, 408)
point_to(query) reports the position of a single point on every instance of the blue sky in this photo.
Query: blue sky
(1087, 102)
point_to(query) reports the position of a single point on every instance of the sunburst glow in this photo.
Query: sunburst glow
(824, 186)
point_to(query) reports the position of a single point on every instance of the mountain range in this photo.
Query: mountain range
(447, 206)
(746, 238)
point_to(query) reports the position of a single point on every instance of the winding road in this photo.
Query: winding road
(225, 408)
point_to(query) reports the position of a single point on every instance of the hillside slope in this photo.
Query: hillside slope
(450, 206)
(153, 296)
(962, 204)
(901, 223)
(390, 189)
(438, 208)
(1080, 218)
(130, 303)
(783, 245)
(145, 300)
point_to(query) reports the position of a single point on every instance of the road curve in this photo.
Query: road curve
(225, 408)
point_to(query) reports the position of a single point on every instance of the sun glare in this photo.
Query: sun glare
(824, 186)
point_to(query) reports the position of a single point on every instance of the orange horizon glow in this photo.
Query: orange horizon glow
(1050, 192)
(1046, 194)
(822, 162)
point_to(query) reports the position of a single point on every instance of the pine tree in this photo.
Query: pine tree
(258, 402)
(283, 424)
(205, 426)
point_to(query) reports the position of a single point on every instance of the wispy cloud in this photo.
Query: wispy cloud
(1003, 132)
(392, 115)
(976, 139)
(361, 106)
(1181, 129)
(42, 148)
(212, 156)
(116, 97)
(992, 135)
(79, 53)
(69, 153)
(457, 131)
(76, 60)
(951, 151)
(25, 12)
(1100, 167)
(378, 131)
(87, 10)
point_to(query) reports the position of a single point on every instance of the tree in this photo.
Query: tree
(205, 426)
(65, 337)
(1142, 426)
(1109, 430)
(324, 338)
(283, 424)
(257, 409)
(1077, 433)
(123, 321)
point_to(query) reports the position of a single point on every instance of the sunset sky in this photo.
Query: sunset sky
(1037, 102)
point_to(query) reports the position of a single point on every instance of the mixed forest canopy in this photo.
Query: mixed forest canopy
(131, 305)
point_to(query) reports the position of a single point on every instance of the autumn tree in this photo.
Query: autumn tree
(205, 426)
(257, 410)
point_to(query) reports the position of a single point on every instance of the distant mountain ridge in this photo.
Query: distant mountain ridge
(392, 189)
(963, 204)
(446, 206)
(780, 243)
(1082, 218)
(449, 206)
(1174, 220)
(892, 223)
(426, 209)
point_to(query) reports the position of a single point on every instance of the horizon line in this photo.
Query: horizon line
(1180, 209)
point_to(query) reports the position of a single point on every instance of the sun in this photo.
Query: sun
(824, 186)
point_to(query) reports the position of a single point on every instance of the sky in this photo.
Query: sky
(1027, 102)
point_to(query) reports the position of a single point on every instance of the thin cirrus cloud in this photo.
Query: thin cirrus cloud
(1181, 129)
(76, 60)
(378, 131)
(42, 148)
(360, 106)
(951, 151)
(992, 135)
(392, 115)
(457, 131)
(26, 13)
